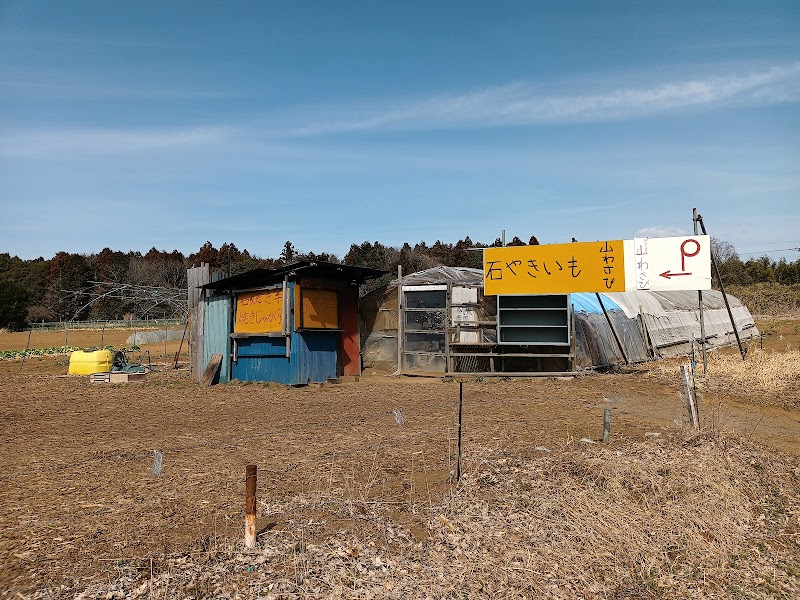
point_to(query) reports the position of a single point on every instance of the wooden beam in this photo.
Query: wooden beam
(211, 370)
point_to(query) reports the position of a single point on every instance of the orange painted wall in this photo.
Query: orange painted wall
(259, 312)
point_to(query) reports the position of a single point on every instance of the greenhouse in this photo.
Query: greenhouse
(439, 321)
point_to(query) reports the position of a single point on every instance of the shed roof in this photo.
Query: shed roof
(303, 268)
(443, 274)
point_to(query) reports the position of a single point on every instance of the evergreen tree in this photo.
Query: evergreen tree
(13, 306)
(288, 253)
(67, 280)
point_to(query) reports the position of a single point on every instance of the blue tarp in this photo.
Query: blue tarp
(587, 303)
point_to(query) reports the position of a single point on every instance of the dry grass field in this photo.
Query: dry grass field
(354, 504)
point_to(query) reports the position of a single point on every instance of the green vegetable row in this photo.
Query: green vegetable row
(13, 354)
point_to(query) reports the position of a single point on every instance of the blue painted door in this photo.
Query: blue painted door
(216, 324)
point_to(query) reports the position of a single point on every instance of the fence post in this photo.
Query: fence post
(251, 479)
(690, 399)
(27, 347)
(460, 407)
(606, 424)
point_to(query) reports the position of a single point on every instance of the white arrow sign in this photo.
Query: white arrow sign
(672, 263)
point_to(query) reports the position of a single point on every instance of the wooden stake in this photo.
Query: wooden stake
(251, 480)
(690, 401)
(183, 337)
(606, 424)
(28, 345)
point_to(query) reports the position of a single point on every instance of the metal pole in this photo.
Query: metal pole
(742, 350)
(700, 301)
(447, 319)
(460, 407)
(400, 318)
(613, 330)
(287, 315)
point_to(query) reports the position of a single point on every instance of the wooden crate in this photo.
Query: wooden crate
(127, 377)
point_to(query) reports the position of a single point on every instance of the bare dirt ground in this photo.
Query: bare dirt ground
(80, 508)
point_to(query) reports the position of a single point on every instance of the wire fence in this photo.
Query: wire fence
(109, 324)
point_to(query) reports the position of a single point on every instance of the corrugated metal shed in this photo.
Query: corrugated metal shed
(306, 268)
(294, 325)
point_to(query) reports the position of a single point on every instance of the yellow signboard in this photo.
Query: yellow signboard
(555, 268)
(259, 312)
(320, 309)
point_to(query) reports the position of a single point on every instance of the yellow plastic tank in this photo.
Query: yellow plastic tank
(83, 362)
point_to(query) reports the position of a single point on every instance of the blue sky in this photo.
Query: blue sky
(140, 124)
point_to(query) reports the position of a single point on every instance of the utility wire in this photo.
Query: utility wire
(767, 251)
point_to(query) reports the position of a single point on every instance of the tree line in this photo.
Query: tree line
(116, 285)
(761, 269)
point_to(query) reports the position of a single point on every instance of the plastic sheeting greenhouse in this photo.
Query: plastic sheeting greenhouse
(439, 321)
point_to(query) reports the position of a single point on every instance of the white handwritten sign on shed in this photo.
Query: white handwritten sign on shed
(668, 263)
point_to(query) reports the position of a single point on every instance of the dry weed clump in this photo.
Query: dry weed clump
(769, 299)
(646, 521)
(765, 377)
(707, 517)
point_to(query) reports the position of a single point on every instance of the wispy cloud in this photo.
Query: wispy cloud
(104, 142)
(30, 38)
(521, 104)
(660, 231)
(738, 43)
(48, 89)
